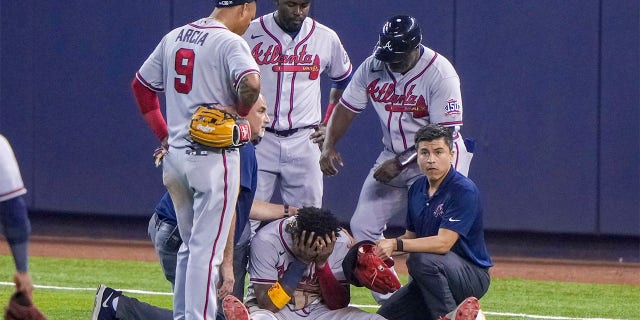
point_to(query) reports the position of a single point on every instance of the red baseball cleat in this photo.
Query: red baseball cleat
(467, 310)
(234, 309)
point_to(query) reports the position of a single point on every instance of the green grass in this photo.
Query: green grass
(506, 296)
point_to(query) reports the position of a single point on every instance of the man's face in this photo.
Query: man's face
(258, 118)
(291, 13)
(434, 159)
(408, 62)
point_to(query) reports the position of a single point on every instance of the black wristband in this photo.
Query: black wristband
(399, 245)
(286, 210)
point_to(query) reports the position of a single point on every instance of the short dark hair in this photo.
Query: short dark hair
(320, 221)
(433, 131)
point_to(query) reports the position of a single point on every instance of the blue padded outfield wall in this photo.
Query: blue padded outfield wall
(551, 92)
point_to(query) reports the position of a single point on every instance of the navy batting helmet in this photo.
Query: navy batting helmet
(399, 36)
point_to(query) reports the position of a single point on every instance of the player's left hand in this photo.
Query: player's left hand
(388, 170)
(324, 248)
(304, 247)
(318, 135)
(228, 280)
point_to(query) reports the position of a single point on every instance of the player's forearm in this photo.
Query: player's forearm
(264, 211)
(276, 296)
(149, 105)
(334, 98)
(338, 124)
(335, 94)
(227, 256)
(248, 92)
(334, 294)
(439, 244)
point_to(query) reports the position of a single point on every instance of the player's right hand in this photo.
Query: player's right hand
(328, 159)
(23, 283)
(388, 170)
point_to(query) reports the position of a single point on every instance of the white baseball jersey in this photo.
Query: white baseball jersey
(428, 93)
(11, 184)
(271, 256)
(201, 62)
(290, 68)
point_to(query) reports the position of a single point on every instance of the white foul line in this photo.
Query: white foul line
(498, 314)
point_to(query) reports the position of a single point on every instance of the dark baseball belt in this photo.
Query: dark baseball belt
(286, 133)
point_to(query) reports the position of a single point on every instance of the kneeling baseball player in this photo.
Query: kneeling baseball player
(448, 258)
(296, 271)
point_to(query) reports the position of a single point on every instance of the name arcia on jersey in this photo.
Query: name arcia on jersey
(192, 36)
(273, 55)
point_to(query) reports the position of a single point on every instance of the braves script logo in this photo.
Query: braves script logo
(439, 210)
(301, 62)
(407, 102)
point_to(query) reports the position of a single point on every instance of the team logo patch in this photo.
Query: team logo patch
(452, 108)
(439, 211)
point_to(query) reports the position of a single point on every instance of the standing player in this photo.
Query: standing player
(296, 270)
(110, 304)
(409, 85)
(292, 51)
(202, 62)
(13, 212)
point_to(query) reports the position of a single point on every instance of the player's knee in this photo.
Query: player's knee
(424, 264)
(15, 220)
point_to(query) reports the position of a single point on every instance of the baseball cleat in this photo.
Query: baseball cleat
(467, 310)
(234, 309)
(103, 303)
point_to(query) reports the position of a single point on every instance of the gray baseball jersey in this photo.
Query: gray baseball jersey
(271, 256)
(428, 93)
(201, 62)
(11, 184)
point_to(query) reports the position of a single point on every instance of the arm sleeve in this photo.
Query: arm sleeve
(149, 106)
(334, 294)
(460, 211)
(445, 103)
(240, 61)
(263, 260)
(340, 67)
(355, 97)
(17, 229)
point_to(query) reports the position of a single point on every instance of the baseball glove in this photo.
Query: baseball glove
(21, 308)
(215, 128)
(362, 267)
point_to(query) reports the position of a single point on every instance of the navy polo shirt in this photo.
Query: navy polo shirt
(455, 206)
(248, 185)
(165, 210)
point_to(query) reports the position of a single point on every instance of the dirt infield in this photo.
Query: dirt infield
(525, 268)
